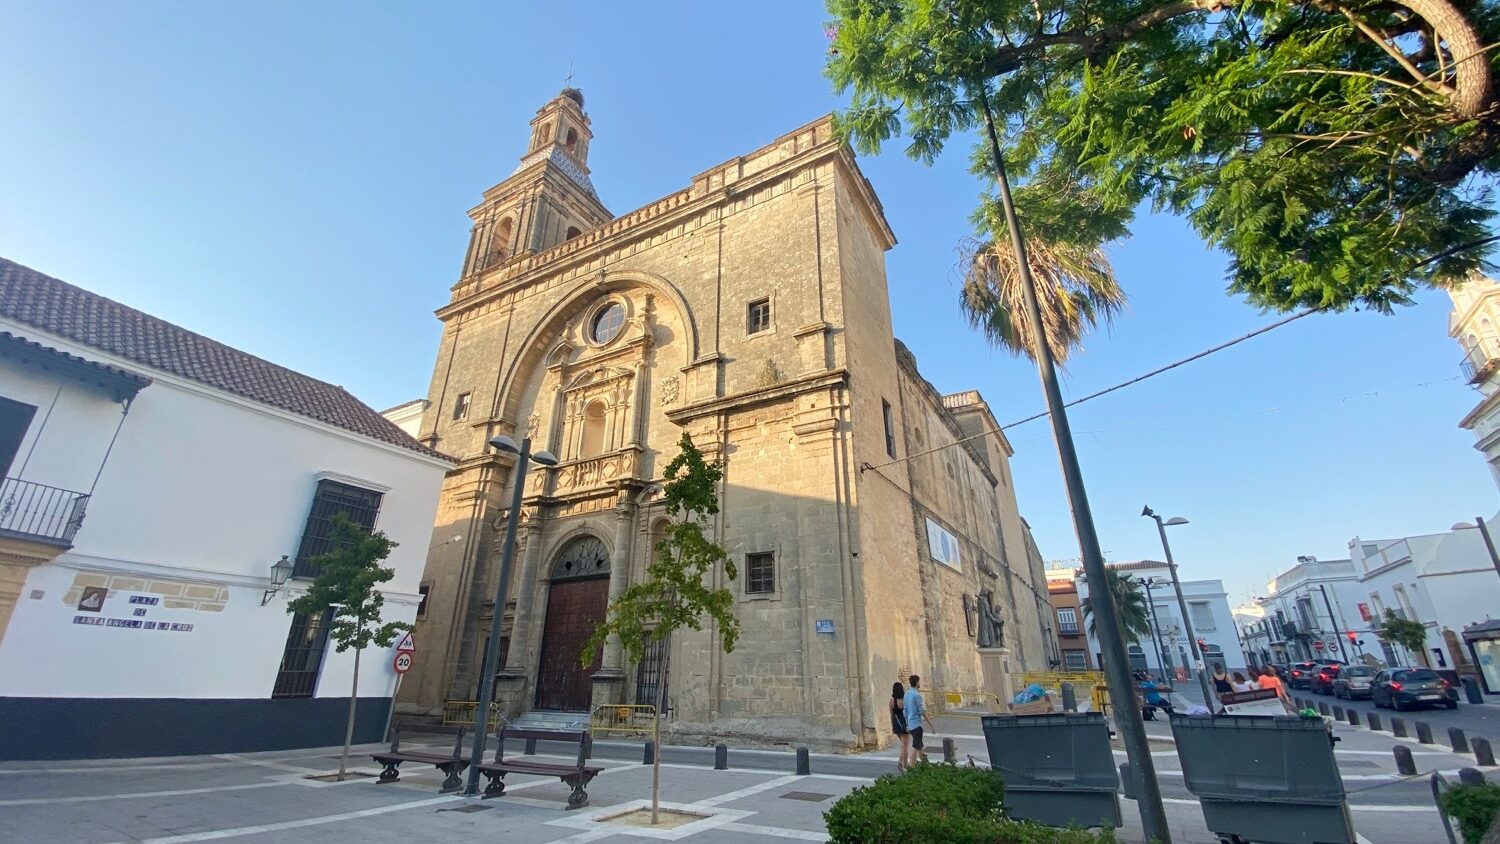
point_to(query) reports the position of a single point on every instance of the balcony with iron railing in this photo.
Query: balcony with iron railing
(39, 513)
(1068, 628)
(1479, 362)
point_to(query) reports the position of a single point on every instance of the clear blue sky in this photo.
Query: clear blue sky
(292, 179)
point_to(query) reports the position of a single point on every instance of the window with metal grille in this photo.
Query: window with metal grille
(758, 316)
(461, 406)
(1075, 661)
(303, 656)
(648, 673)
(890, 428)
(360, 505)
(760, 573)
(424, 590)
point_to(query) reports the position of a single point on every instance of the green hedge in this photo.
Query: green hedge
(1474, 807)
(939, 804)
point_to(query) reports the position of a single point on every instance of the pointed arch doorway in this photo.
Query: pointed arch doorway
(576, 602)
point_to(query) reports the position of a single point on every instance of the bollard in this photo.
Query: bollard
(1457, 741)
(1338, 712)
(1405, 765)
(804, 765)
(530, 747)
(1323, 708)
(1471, 690)
(1482, 752)
(1069, 698)
(950, 751)
(1424, 732)
(650, 757)
(1373, 719)
(1470, 776)
(721, 757)
(1398, 727)
(1353, 716)
(1127, 780)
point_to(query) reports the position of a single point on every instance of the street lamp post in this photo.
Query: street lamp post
(524, 458)
(1122, 690)
(1149, 582)
(1187, 623)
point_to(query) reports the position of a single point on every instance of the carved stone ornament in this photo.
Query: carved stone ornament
(531, 425)
(669, 391)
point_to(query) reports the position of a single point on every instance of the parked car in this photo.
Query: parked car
(1321, 680)
(1353, 682)
(1300, 674)
(1403, 688)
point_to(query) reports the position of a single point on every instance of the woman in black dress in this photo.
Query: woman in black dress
(897, 705)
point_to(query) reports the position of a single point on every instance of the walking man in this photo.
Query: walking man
(916, 713)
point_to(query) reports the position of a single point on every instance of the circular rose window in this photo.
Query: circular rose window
(607, 323)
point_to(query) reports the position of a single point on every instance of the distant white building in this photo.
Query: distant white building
(1473, 322)
(1307, 613)
(1444, 580)
(407, 416)
(1208, 608)
(152, 478)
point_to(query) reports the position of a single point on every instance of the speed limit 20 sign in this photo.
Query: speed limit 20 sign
(403, 662)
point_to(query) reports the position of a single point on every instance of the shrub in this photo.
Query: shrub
(939, 804)
(1474, 807)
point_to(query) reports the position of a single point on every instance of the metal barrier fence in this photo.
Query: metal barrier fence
(963, 702)
(1052, 680)
(462, 712)
(622, 719)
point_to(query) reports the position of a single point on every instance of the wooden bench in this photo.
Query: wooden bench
(451, 764)
(576, 775)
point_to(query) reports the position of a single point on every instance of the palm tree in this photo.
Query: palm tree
(1075, 287)
(1130, 605)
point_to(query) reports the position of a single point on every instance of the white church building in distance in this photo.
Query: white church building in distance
(152, 479)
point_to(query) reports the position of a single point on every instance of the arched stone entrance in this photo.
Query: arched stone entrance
(576, 603)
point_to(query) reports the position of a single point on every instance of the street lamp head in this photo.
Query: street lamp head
(545, 458)
(1176, 520)
(505, 444)
(280, 571)
(1147, 512)
(1463, 526)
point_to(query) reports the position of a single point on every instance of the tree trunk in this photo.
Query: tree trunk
(661, 705)
(1473, 86)
(349, 728)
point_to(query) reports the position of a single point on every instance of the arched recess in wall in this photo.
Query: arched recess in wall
(570, 143)
(593, 429)
(583, 295)
(573, 231)
(503, 234)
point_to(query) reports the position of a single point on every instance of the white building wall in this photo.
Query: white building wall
(1221, 631)
(204, 490)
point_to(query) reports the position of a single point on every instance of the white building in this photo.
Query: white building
(1444, 580)
(152, 477)
(1208, 608)
(408, 415)
(1307, 613)
(1473, 322)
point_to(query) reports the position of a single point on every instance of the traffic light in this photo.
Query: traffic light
(1352, 635)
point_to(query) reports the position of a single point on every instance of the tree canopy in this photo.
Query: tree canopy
(1331, 148)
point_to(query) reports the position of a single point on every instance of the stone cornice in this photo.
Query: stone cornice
(750, 398)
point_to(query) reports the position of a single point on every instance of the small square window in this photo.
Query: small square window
(758, 316)
(760, 573)
(461, 406)
(423, 590)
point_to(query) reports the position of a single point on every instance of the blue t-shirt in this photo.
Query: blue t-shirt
(915, 709)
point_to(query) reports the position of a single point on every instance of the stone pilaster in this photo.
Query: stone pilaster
(511, 682)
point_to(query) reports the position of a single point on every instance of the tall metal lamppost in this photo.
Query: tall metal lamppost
(524, 458)
(1149, 582)
(1187, 623)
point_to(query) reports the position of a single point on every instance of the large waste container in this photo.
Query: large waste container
(1058, 769)
(1264, 779)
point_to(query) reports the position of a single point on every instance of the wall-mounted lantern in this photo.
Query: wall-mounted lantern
(280, 571)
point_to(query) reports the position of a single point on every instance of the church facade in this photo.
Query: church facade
(872, 520)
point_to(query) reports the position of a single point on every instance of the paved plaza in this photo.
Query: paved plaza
(268, 797)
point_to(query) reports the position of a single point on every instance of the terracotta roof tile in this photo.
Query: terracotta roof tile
(59, 308)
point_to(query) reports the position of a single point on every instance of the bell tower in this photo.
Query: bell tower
(548, 199)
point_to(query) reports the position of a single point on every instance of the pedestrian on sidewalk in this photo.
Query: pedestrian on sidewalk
(1269, 680)
(897, 705)
(916, 713)
(1222, 685)
(1242, 684)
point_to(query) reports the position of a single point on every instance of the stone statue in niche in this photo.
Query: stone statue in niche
(991, 625)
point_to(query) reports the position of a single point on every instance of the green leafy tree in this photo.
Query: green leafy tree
(1130, 605)
(1411, 635)
(1075, 290)
(346, 581)
(675, 592)
(1340, 151)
